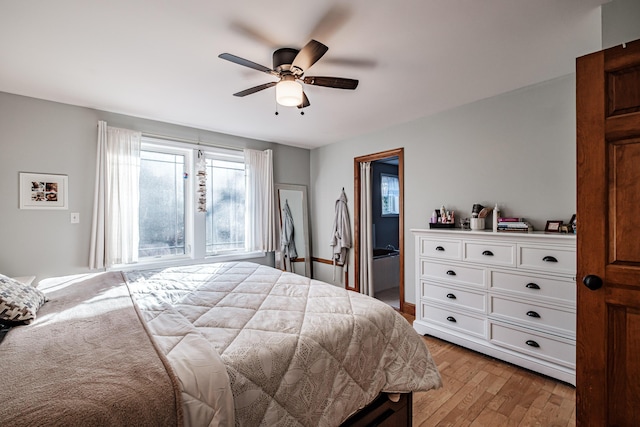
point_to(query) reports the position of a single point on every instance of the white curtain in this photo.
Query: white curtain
(366, 234)
(114, 231)
(260, 216)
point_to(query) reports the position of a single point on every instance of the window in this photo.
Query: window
(390, 192)
(224, 222)
(162, 216)
(169, 224)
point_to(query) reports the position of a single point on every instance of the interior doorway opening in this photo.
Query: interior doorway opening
(379, 227)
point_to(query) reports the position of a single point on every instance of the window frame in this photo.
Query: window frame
(228, 156)
(388, 175)
(195, 227)
(157, 146)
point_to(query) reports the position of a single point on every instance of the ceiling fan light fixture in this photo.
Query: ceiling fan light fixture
(289, 93)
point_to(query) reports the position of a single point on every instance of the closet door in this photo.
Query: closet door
(608, 241)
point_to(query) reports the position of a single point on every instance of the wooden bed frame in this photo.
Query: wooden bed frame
(383, 412)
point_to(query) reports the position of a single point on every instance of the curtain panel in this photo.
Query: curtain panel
(366, 230)
(114, 230)
(260, 217)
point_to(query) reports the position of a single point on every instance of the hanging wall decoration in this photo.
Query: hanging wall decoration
(43, 191)
(202, 182)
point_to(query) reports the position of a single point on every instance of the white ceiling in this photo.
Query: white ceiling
(159, 59)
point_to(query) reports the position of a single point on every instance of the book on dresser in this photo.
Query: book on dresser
(514, 225)
(508, 295)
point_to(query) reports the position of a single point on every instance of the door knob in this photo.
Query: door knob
(592, 282)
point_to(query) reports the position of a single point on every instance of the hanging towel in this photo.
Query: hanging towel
(287, 244)
(341, 233)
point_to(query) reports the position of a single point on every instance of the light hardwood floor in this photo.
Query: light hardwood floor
(482, 391)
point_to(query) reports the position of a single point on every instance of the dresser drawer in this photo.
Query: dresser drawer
(441, 248)
(500, 254)
(547, 259)
(542, 346)
(531, 285)
(454, 297)
(455, 320)
(534, 315)
(449, 273)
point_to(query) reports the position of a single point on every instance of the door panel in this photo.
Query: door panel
(608, 219)
(624, 165)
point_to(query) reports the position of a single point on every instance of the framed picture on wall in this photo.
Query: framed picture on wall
(43, 191)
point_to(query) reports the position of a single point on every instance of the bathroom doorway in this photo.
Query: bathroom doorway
(379, 249)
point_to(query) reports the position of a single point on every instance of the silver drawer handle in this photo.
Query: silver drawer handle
(451, 319)
(549, 258)
(532, 343)
(532, 286)
(487, 253)
(439, 248)
(451, 273)
(451, 296)
(533, 314)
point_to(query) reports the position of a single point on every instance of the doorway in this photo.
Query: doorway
(394, 203)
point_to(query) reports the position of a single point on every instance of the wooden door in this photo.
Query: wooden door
(608, 227)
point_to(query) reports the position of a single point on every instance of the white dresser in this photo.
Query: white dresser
(508, 295)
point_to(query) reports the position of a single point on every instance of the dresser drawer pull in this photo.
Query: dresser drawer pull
(451, 273)
(451, 296)
(533, 314)
(549, 258)
(532, 286)
(451, 319)
(532, 343)
(487, 253)
(439, 248)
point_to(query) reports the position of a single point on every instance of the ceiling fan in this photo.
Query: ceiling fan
(289, 66)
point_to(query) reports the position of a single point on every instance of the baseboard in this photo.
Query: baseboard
(409, 309)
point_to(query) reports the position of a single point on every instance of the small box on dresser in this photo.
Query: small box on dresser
(508, 295)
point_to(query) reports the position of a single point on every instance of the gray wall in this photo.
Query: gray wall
(516, 149)
(48, 137)
(620, 22)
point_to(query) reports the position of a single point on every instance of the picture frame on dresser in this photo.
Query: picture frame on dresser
(573, 224)
(553, 226)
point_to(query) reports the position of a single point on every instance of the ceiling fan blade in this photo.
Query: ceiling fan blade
(246, 63)
(329, 24)
(335, 82)
(255, 89)
(254, 34)
(305, 101)
(308, 56)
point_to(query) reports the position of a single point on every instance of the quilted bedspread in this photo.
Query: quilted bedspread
(253, 345)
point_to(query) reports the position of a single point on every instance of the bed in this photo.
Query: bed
(210, 344)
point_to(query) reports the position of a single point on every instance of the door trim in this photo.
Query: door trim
(397, 152)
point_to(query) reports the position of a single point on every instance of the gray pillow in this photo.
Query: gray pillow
(19, 302)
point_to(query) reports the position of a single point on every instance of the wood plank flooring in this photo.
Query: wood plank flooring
(479, 390)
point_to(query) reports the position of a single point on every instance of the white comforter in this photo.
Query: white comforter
(253, 345)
